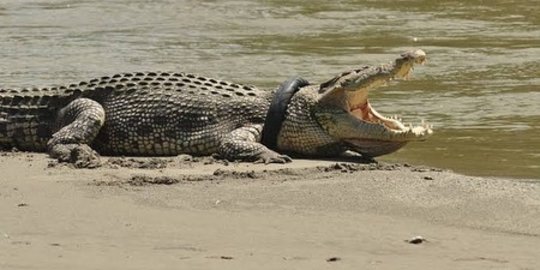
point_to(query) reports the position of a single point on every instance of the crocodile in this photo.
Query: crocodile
(172, 113)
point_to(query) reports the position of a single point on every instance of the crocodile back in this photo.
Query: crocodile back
(192, 104)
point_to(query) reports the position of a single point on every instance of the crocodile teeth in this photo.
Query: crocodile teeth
(396, 117)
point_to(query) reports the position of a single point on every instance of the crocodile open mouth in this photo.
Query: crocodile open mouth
(398, 132)
(359, 106)
(367, 113)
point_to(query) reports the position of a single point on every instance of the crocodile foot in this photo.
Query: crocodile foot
(80, 155)
(272, 157)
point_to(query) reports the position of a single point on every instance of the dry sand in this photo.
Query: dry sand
(177, 213)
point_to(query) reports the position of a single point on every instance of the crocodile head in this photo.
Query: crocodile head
(345, 117)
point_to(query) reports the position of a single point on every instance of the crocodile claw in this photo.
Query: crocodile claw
(272, 157)
(80, 155)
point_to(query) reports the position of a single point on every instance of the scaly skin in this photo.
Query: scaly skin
(164, 113)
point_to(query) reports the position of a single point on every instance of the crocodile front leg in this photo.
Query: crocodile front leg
(243, 144)
(78, 124)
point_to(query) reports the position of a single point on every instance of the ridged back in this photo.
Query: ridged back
(27, 115)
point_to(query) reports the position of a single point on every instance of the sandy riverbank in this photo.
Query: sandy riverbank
(174, 213)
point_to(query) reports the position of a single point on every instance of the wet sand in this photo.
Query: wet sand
(199, 213)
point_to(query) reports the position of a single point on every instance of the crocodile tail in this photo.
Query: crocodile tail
(3, 130)
(4, 139)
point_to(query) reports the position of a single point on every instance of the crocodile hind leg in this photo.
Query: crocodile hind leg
(243, 144)
(78, 124)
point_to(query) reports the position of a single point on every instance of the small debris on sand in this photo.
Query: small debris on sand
(333, 259)
(416, 240)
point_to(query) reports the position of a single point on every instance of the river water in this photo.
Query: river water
(480, 88)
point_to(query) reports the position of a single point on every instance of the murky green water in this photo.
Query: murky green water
(480, 89)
